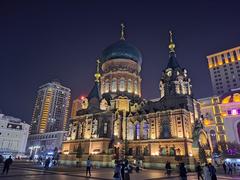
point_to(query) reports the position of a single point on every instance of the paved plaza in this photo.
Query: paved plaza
(24, 171)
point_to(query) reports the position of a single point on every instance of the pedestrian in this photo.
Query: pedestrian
(47, 163)
(137, 166)
(206, 172)
(1, 159)
(126, 171)
(7, 164)
(212, 172)
(183, 171)
(168, 168)
(234, 168)
(122, 169)
(199, 171)
(224, 167)
(117, 171)
(229, 168)
(89, 166)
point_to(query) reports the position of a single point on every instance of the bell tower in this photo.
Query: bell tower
(174, 80)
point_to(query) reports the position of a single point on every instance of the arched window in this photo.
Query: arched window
(137, 131)
(114, 85)
(103, 87)
(94, 128)
(130, 131)
(145, 129)
(135, 87)
(122, 84)
(177, 86)
(116, 128)
(105, 127)
(213, 138)
(106, 88)
(129, 85)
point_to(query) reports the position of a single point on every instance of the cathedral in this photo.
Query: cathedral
(115, 122)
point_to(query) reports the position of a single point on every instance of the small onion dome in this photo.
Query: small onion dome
(122, 50)
(231, 97)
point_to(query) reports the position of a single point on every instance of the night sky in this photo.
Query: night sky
(45, 40)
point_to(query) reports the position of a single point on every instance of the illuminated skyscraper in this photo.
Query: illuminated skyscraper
(51, 108)
(224, 70)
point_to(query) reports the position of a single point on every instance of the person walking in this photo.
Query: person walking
(183, 171)
(122, 169)
(199, 171)
(7, 164)
(47, 163)
(234, 168)
(117, 171)
(229, 168)
(224, 167)
(88, 168)
(168, 168)
(212, 172)
(126, 171)
(206, 172)
(138, 166)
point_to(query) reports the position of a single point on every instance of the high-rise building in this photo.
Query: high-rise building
(224, 70)
(51, 108)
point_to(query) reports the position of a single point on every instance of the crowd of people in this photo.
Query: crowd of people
(47, 162)
(229, 168)
(123, 169)
(208, 172)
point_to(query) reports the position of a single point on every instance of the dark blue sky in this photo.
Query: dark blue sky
(45, 40)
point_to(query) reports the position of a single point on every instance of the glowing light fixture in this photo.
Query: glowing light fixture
(82, 97)
(234, 112)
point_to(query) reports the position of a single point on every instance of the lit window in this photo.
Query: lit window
(234, 112)
(130, 85)
(135, 87)
(130, 131)
(114, 85)
(106, 90)
(122, 84)
(105, 128)
(138, 131)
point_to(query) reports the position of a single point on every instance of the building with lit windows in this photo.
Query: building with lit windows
(115, 121)
(45, 144)
(224, 70)
(13, 135)
(221, 116)
(51, 108)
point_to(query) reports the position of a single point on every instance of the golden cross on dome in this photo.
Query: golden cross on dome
(122, 31)
(170, 34)
(171, 44)
(97, 74)
(98, 63)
